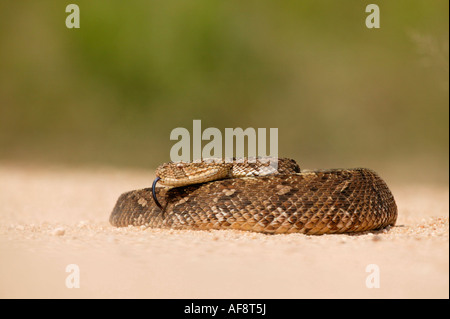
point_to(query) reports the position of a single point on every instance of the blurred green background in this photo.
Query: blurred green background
(340, 94)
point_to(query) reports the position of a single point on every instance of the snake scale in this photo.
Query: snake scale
(287, 201)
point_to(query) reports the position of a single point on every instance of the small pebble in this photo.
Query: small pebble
(376, 238)
(83, 223)
(59, 231)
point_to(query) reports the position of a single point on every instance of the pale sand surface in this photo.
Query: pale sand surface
(50, 218)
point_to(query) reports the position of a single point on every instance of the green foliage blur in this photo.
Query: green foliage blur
(341, 95)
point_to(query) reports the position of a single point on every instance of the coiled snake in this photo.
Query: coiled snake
(249, 196)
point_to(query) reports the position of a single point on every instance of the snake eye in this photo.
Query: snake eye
(180, 165)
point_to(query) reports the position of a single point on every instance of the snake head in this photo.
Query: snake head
(177, 174)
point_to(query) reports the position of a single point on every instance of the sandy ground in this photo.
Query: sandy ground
(53, 218)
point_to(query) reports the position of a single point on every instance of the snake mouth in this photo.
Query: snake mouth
(154, 192)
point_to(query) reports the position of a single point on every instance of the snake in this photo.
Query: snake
(257, 196)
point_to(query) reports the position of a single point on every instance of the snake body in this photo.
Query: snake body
(290, 201)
